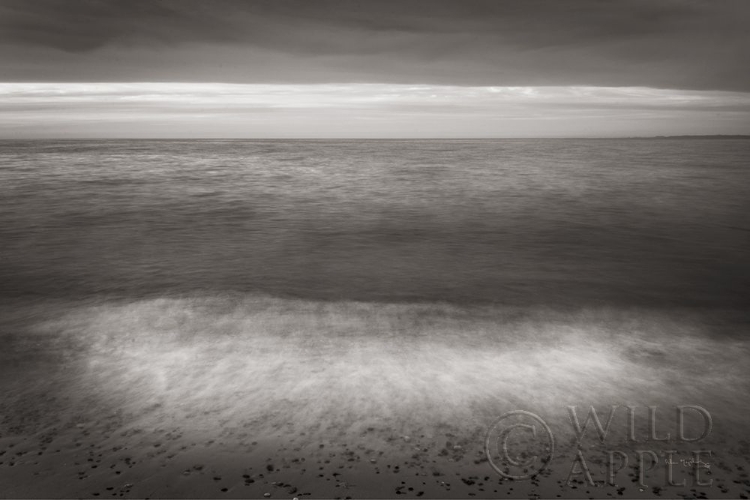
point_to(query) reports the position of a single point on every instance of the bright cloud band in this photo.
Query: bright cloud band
(361, 110)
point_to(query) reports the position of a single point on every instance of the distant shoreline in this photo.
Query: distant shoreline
(694, 137)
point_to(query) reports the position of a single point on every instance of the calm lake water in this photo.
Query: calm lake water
(557, 222)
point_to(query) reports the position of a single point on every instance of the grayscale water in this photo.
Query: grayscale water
(329, 306)
(558, 222)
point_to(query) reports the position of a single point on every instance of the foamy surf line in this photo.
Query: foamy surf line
(289, 397)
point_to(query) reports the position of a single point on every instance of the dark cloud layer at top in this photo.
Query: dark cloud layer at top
(669, 44)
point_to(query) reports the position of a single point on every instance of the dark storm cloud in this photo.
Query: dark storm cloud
(668, 44)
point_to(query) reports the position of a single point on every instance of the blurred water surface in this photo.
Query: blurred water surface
(554, 222)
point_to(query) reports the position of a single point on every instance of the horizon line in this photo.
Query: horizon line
(679, 136)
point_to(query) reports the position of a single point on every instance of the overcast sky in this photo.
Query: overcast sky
(75, 68)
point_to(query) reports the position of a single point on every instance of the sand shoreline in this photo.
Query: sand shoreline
(199, 398)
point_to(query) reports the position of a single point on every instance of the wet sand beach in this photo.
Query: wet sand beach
(258, 397)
